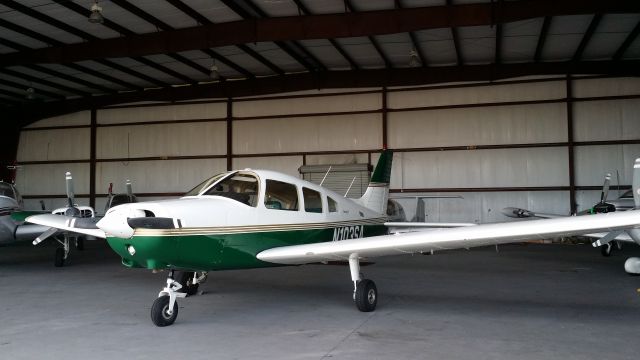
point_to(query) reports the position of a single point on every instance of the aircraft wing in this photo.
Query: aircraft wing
(452, 238)
(86, 226)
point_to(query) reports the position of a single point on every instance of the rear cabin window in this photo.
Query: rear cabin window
(280, 196)
(239, 187)
(333, 206)
(312, 200)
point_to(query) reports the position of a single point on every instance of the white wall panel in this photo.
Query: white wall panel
(101, 202)
(63, 144)
(285, 164)
(477, 95)
(208, 138)
(606, 87)
(481, 168)
(592, 163)
(338, 159)
(49, 179)
(318, 133)
(607, 120)
(52, 204)
(75, 119)
(157, 176)
(519, 124)
(161, 113)
(346, 102)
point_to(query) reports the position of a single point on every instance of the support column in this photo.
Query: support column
(92, 159)
(384, 118)
(229, 134)
(9, 139)
(570, 146)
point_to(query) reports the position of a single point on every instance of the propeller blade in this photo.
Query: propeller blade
(636, 183)
(129, 188)
(517, 212)
(44, 236)
(69, 182)
(605, 188)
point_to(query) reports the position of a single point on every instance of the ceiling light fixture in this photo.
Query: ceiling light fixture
(96, 14)
(414, 60)
(30, 93)
(215, 73)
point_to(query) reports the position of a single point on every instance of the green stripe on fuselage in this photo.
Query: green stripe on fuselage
(220, 251)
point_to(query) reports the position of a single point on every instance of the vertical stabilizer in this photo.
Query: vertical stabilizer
(377, 194)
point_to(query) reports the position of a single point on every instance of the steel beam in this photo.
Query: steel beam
(332, 79)
(318, 27)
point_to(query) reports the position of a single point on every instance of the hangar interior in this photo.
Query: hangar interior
(507, 103)
(497, 144)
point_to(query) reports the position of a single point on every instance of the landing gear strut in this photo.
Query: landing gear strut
(62, 253)
(164, 310)
(365, 293)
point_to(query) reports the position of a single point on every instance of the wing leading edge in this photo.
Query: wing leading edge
(86, 226)
(452, 238)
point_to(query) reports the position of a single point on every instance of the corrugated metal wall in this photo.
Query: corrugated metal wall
(501, 144)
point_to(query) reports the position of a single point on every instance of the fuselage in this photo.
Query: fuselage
(225, 222)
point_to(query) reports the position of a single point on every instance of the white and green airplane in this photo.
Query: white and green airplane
(256, 218)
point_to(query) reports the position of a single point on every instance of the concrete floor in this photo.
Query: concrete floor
(525, 302)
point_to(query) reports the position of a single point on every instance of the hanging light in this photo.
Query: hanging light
(31, 93)
(414, 60)
(96, 14)
(214, 72)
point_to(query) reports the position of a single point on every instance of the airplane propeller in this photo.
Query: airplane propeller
(72, 210)
(605, 189)
(633, 233)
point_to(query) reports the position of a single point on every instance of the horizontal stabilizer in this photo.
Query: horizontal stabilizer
(86, 226)
(403, 227)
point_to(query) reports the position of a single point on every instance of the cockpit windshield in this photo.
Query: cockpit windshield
(241, 187)
(205, 184)
(7, 190)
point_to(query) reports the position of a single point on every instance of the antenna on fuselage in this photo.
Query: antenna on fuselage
(325, 176)
(350, 185)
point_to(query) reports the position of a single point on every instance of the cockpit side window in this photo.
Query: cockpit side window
(333, 205)
(240, 187)
(312, 200)
(280, 196)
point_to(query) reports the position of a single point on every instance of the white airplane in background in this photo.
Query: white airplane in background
(256, 218)
(12, 216)
(628, 201)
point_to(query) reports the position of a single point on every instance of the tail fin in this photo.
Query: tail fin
(377, 194)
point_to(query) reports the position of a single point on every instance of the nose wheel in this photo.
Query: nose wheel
(181, 284)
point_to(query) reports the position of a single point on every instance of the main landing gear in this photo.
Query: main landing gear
(164, 310)
(607, 248)
(365, 293)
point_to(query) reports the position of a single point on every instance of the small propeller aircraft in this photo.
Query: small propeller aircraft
(257, 218)
(628, 201)
(12, 217)
(12, 230)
